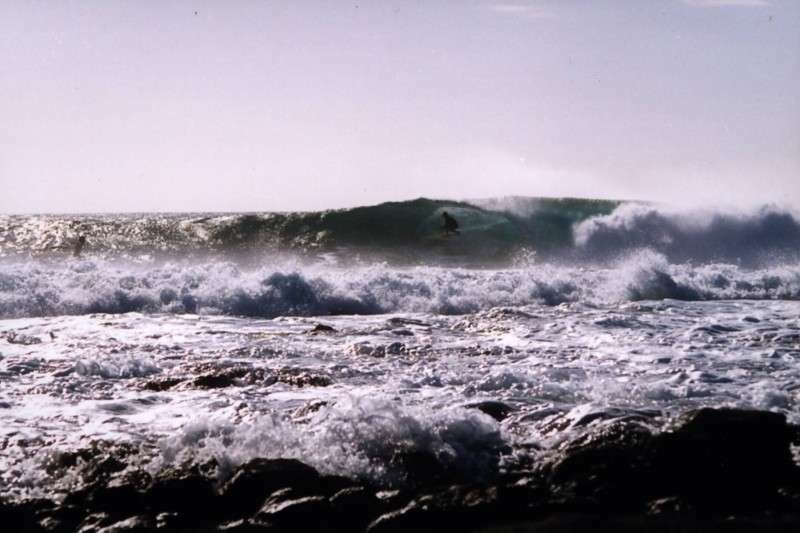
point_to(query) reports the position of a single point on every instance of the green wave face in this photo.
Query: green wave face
(405, 232)
(492, 232)
(414, 229)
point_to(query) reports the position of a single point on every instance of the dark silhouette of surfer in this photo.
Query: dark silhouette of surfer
(450, 224)
(79, 244)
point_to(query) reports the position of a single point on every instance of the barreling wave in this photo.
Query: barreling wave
(493, 232)
(408, 232)
(29, 289)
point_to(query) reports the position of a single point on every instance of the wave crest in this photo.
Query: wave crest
(749, 239)
(31, 289)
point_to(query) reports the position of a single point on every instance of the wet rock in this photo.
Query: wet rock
(189, 493)
(332, 484)
(94, 522)
(300, 377)
(308, 409)
(447, 509)
(134, 524)
(420, 467)
(361, 348)
(395, 348)
(212, 381)
(717, 461)
(24, 367)
(247, 489)
(115, 499)
(607, 464)
(168, 521)
(13, 337)
(378, 351)
(397, 321)
(496, 409)
(217, 377)
(611, 413)
(310, 513)
(365, 348)
(728, 458)
(243, 526)
(412, 517)
(355, 507)
(322, 328)
(23, 516)
(161, 384)
(669, 505)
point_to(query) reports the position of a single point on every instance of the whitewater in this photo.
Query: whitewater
(348, 339)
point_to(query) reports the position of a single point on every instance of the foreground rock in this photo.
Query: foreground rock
(711, 470)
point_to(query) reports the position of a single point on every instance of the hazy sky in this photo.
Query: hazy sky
(236, 105)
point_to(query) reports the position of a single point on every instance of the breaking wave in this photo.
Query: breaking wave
(393, 258)
(34, 289)
(746, 238)
(492, 233)
(408, 232)
(358, 437)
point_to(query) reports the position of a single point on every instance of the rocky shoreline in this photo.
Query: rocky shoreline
(709, 470)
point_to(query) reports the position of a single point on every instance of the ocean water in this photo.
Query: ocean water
(343, 337)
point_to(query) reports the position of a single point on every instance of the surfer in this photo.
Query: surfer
(450, 224)
(79, 244)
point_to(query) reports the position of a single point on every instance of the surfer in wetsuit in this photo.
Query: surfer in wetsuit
(79, 244)
(450, 224)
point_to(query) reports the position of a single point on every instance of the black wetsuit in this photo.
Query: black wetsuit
(450, 224)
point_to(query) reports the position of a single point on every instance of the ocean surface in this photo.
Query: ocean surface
(338, 338)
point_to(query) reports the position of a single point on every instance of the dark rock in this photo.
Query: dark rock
(25, 515)
(134, 524)
(395, 348)
(496, 409)
(397, 321)
(20, 338)
(247, 489)
(419, 515)
(333, 484)
(322, 328)
(189, 493)
(412, 517)
(114, 499)
(213, 381)
(300, 377)
(160, 384)
(310, 513)
(355, 507)
(309, 408)
(727, 458)
(641, 415)
(421, 468)
(605, 464)
(393, 499)
(718, 461)
(244, 526)
(94, 522)
(669, 505)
